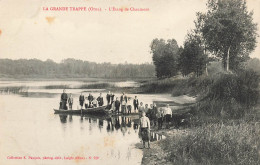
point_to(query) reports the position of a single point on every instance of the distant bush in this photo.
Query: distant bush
(56, 87)
(216, 144)
(97, 86)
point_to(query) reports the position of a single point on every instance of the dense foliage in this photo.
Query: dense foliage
(73, 68)
(192, 57)
(228, 30)
(165, 57)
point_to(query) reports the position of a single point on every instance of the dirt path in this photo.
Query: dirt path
(156, 155)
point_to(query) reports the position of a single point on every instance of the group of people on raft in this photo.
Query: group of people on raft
(148, 115)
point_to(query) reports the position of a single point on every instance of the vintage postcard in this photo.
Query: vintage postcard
(113, 82)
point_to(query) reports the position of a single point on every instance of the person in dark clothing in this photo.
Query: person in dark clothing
(159, 116)
(154, 114)
(117, 105)
(90, 99)
(64, 98)
(81, 100)
(108, 97)
(100, 100)
(112, 96)
(136, 103)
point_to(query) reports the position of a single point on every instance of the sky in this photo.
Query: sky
(27, 31)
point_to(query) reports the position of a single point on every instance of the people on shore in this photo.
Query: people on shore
(136, 103)
(64, 99)
(100, 100)
(168, 115)
(70, 101)
(146, 109)
(159, 116)
(141, 109)
(154, 111)
(145, 129)
(81, 100)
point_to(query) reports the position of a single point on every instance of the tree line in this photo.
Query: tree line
(226, 32)
(73, 68)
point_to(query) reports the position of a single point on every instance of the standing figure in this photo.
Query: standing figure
(129, 106)
(141, 109)
(145, 129)
(113, 107)
(86, 103)
(117, 105)
(108, 97)
(123, 100)
(64, 98)
(81, 100)
(159, 116)
(112, 96)
(154, 113)
(100, 100)
(168, 115)
(94, 102)
(90, 99)
(136, 103)
(146, 109)
(70, 101)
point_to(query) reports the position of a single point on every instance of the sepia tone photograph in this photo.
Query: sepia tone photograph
(133, 82)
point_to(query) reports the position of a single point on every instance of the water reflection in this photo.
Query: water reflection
(63, 118)
(122, 124)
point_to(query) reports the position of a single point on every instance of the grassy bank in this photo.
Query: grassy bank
(224, 127)
(238, 143)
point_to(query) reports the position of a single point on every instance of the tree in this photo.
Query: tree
(165, 57)
(192, 56)
(228, 30)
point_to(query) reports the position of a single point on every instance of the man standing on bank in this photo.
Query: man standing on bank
(168, 115)
(64, 98)
(145, 129)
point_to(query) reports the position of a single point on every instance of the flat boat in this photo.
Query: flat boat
(95, 111)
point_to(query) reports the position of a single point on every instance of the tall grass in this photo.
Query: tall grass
(216, 144)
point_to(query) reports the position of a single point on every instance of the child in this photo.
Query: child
(129, 106)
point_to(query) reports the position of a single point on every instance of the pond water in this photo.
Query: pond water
(29, 127)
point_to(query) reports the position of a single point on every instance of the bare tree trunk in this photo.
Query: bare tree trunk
(227, 62)
(206, 70)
